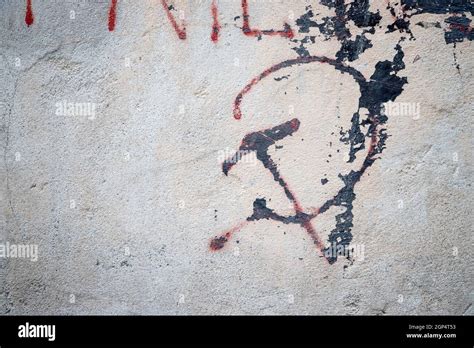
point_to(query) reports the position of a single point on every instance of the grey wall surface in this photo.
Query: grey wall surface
(123, 191)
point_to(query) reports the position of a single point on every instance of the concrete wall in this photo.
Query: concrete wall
(116, 119)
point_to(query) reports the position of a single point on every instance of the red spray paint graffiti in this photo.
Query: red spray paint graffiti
(215, 25)
(180, 31)
(29, 17)
(112, 15)
(287, 63)
(260, 141)
(286, 32)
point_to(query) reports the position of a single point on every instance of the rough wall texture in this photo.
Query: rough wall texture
(234, 157)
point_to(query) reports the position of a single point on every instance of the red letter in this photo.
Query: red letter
(286, 32)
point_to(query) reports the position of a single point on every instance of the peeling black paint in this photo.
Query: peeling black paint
(336, 26)
(459, 29)
(438, 6)
(351, 49)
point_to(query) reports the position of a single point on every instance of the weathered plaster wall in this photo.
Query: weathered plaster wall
(129, 205)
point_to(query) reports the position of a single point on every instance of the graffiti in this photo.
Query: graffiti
(336, 26)
(29, 17)
(384, 85)
(288, 63)
(216, 27)
(112, 15)
(259, 142)
(247, 30)
(352, 25)
(181, 31)
(458, 25)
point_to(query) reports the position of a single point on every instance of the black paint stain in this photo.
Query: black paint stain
(438, 6)
(281, 78)
(259, 142)
(459, 29)
(429, 25)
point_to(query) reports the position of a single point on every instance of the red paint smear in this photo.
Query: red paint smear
(29, 17)
(286, 32)
(215, 25)
(112, 15)
(180, 31)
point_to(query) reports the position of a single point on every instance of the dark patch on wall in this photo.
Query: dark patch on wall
(359, 13)
(438, 6)
(336, 26)
(459, 29)
(305, 22)
(401, 24)
(383, 85)
(429, 24)
(285, 77)
(351, 49)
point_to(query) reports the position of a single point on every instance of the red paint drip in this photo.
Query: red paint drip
(112, 15)
(215, 25)
(29, 17)
(286, 32)
(180, 31)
